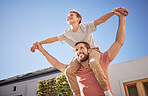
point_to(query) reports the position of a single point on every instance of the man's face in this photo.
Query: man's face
(82, 53)
(72, 18)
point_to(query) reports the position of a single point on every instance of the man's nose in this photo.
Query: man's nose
(79, 51)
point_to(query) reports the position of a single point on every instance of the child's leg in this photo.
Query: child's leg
(70, 74)
(94, 61)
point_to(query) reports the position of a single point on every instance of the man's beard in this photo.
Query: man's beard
(84, 59)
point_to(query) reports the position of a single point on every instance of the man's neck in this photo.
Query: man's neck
(85, 64)
(75, 27)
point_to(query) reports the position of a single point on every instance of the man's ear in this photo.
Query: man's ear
(89, 50)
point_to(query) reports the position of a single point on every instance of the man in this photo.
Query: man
(80, 32)
(86, 79)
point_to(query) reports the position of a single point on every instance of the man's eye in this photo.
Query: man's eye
(76, 50)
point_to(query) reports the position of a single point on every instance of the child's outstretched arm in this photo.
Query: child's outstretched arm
(49, 40)
(103, 18)
(107, 16)
(46, 41)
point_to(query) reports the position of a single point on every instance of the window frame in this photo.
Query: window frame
(139, 86)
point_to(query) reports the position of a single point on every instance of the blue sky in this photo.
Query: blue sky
(23, 22)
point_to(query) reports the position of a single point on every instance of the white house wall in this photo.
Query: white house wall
(125, 72)
(24, 88)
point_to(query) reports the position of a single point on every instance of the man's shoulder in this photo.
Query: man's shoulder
(104, 59)
(104, 55)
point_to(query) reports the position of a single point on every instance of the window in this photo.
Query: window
(145, 84)
(14, 88)
(136, 88)
(132, 90)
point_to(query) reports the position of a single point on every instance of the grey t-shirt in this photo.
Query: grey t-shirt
(84, 33)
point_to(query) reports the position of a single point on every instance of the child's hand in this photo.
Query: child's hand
(121, 10)
(39, 46)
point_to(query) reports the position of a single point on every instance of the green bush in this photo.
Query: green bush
(54, 87)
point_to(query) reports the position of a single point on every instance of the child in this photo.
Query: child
(81, 32)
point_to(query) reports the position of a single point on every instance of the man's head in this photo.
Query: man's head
(82, 50)
(73, 16)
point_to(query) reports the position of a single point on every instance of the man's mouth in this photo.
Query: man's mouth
(80, 55)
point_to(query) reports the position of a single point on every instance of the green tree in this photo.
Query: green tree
(54, 87)
(62, 86)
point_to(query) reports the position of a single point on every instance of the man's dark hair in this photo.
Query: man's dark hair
(85, 43)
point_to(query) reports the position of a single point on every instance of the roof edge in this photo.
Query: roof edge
(29, 76)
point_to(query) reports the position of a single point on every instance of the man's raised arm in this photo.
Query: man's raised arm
(114, 49)
(53, 61)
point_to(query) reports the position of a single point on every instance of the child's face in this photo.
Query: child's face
(72, 18)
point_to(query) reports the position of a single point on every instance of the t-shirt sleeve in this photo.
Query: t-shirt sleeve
(105, 60)
(90, 27)
(61, 38)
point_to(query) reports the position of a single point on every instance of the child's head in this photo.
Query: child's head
(77, 14)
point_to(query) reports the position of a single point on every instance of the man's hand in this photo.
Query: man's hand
(33, 47)
(121, 10)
